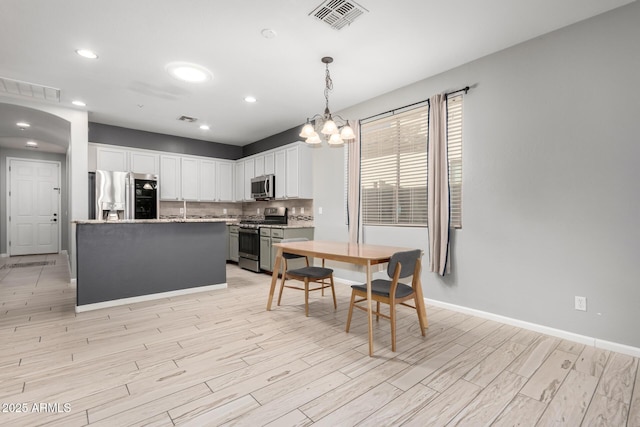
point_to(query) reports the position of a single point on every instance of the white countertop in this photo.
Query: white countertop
(156, 221)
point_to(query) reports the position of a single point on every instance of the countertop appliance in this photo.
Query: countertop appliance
(249, 237)
(263, 188)
(126, 195)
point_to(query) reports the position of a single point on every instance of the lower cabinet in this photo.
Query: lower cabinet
(265, 249)
(276, 234)
(233, 243)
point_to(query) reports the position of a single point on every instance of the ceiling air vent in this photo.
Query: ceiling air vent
(28, 90)
(187, 119)
(338, 13)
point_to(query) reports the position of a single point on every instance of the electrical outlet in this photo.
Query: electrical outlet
(581, 303)
(258, 211)
(293, 211)
(301, 210)
(224, 211)
(320, 210)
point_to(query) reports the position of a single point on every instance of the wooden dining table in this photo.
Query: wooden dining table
(360, 254)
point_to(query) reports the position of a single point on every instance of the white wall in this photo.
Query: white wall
(77, 172)
(551, 181)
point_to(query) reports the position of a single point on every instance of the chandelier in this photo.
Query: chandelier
(334, 129)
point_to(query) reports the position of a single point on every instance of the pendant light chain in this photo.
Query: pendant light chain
(328, 87)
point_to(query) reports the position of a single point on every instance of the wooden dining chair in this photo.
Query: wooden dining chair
(307, 274)
(392, 292)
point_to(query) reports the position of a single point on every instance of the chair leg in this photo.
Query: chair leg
(353, 298)
(333, 291)
(377, 311)
(306, 297)
(281, 288)
(420, 311)
(392, 307)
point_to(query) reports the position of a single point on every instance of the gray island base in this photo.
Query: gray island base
(120, 263)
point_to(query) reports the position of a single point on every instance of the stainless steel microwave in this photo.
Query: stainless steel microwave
(263, 187)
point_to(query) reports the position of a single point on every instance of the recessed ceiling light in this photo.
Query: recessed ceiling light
(250, 99)
(86, 53)
(79, 103)
(32, 144)
(23, 125)
(268, 33)
(187, 72)
(204, 127)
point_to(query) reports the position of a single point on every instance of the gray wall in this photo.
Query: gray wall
(273, 141)
(551, 181)
(64, 200)
(114, 135)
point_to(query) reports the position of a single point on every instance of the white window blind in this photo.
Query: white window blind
(394, 166)
(454, 152)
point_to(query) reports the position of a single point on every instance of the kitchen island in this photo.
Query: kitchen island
(122, 262)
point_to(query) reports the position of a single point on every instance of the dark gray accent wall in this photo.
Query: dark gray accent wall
(114, 135)
(273, 141)
(127, 260)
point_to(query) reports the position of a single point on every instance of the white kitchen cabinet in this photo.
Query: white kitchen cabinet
(269, 165)
(190, 179)
(144, 162)
(208, 180)
(225, 181)
(280, 172)
(169, 177)
(239, 184)
(258, 166)
(249, 173)
(112, 159)
(292, 165)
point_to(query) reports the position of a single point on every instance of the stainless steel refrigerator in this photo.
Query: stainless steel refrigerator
(125, 195)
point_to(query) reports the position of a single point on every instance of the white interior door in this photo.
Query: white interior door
(34, 200)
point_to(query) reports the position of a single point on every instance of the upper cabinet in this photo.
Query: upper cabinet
(144, 162)
(269, 165)
(196, 178)
(208, 180)
(224, 181)
(190, 179)
(280, 170)
(112, 159)
(239, 182)
(293, 172)
(169, 177)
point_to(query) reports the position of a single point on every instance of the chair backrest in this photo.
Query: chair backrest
(407, 259)
(293, 239)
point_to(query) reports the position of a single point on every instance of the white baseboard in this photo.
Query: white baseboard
(4, 255)
(582, 339)
(143, 298)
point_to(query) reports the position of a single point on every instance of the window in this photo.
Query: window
(394, 166)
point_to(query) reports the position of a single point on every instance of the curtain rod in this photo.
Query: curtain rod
(464, 89)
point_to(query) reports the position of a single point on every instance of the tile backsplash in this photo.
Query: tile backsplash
(300, 211)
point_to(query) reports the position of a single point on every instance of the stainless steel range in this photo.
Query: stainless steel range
(249, 237)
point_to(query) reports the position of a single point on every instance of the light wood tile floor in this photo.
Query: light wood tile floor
(219, 358)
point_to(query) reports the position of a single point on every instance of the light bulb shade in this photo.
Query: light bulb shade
(329, 128)
(307, 130)
(314, 139)
(347, 133)
(335, 139)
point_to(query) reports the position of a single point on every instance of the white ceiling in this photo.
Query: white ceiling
(396, 43)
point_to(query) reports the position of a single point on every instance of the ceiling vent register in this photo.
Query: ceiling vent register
(187, 119)
(338, 13)
(21, 89)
